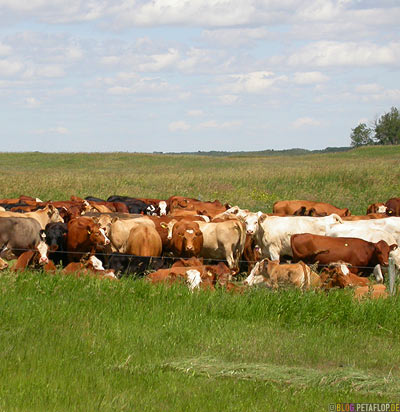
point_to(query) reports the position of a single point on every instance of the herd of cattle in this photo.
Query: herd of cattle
(203, 244)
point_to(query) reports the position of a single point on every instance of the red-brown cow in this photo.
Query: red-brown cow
(186, 239)
(363, 256)
(84, 236)
(210, 209)
(35, 259)
(393, 206)
(376, 208)
(307, 208)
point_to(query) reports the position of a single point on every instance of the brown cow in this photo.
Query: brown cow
(186, 239)
(89, 266)
(210, 209)
(364, 217)
(84, 236)
(276, 275)
(307, 208)
(361, 255)
(376, 208)
(372, 292)
(393, 206)
(144, 240)
(338, 275)
(35, 259)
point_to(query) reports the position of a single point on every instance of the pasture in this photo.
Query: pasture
(86, 344)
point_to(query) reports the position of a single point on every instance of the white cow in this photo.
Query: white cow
(375, 235)
(272, 233)
(388, 224)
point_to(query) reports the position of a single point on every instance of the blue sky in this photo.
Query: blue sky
(177, 75)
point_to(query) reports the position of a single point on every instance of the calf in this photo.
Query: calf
(276, 275)
(123, 264)
(376, 208)
(90, 266)
(35, 259)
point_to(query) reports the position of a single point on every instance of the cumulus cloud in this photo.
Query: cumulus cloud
(9, 67)
(60, 130)
(254, 82)
(305, 121)
(234, 37)
(178, 126)
(31, 102)
(332, 53)
(309, 77)
(213, 124)
(195, 113)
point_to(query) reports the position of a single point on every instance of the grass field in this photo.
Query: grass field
(83, 344)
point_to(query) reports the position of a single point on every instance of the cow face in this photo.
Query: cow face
(95, 263)
(187, 239)
(163, 207)
(382, 250)
(97, 235)
(256, 275)
(54, 214)
(252, 220)
(43, 249)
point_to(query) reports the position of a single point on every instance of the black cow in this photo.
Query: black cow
(135, 206)
(94, 199)
(56, 238)
(126, 265)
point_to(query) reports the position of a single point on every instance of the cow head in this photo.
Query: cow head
(3, 264)
(257, 274)
(382, 250)
(187, 238)
(97, 235)
(163, 207)
(53, 214)
(42, 249)
(252, 221)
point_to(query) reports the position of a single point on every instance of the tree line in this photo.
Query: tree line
(384, 131)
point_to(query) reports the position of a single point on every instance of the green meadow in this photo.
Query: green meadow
(88, 345)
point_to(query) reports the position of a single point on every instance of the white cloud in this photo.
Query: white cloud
(9, 67)
(178, 126)
(61, 130)
(255, 82)
(4, 49)
(332, 53)
(368, 88)
(159, 62)
(235, 37)
(195, 113)
(228, 99)
(305, 121)
(31, 102)
(309, 77)
(213, 124)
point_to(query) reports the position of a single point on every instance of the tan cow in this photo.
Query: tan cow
(144, 240)
(276, 275)
(121, 228)
(43, 216)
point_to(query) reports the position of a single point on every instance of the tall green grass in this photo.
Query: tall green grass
(84, 344)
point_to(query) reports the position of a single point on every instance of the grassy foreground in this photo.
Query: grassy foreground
(82, 344)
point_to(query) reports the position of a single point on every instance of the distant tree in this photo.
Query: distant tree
(387, 128)
(361, 135)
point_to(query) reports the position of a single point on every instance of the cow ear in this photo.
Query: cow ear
(261, 218)
(393, 247)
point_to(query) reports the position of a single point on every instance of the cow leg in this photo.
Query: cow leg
(274, 254)
(378, 273)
